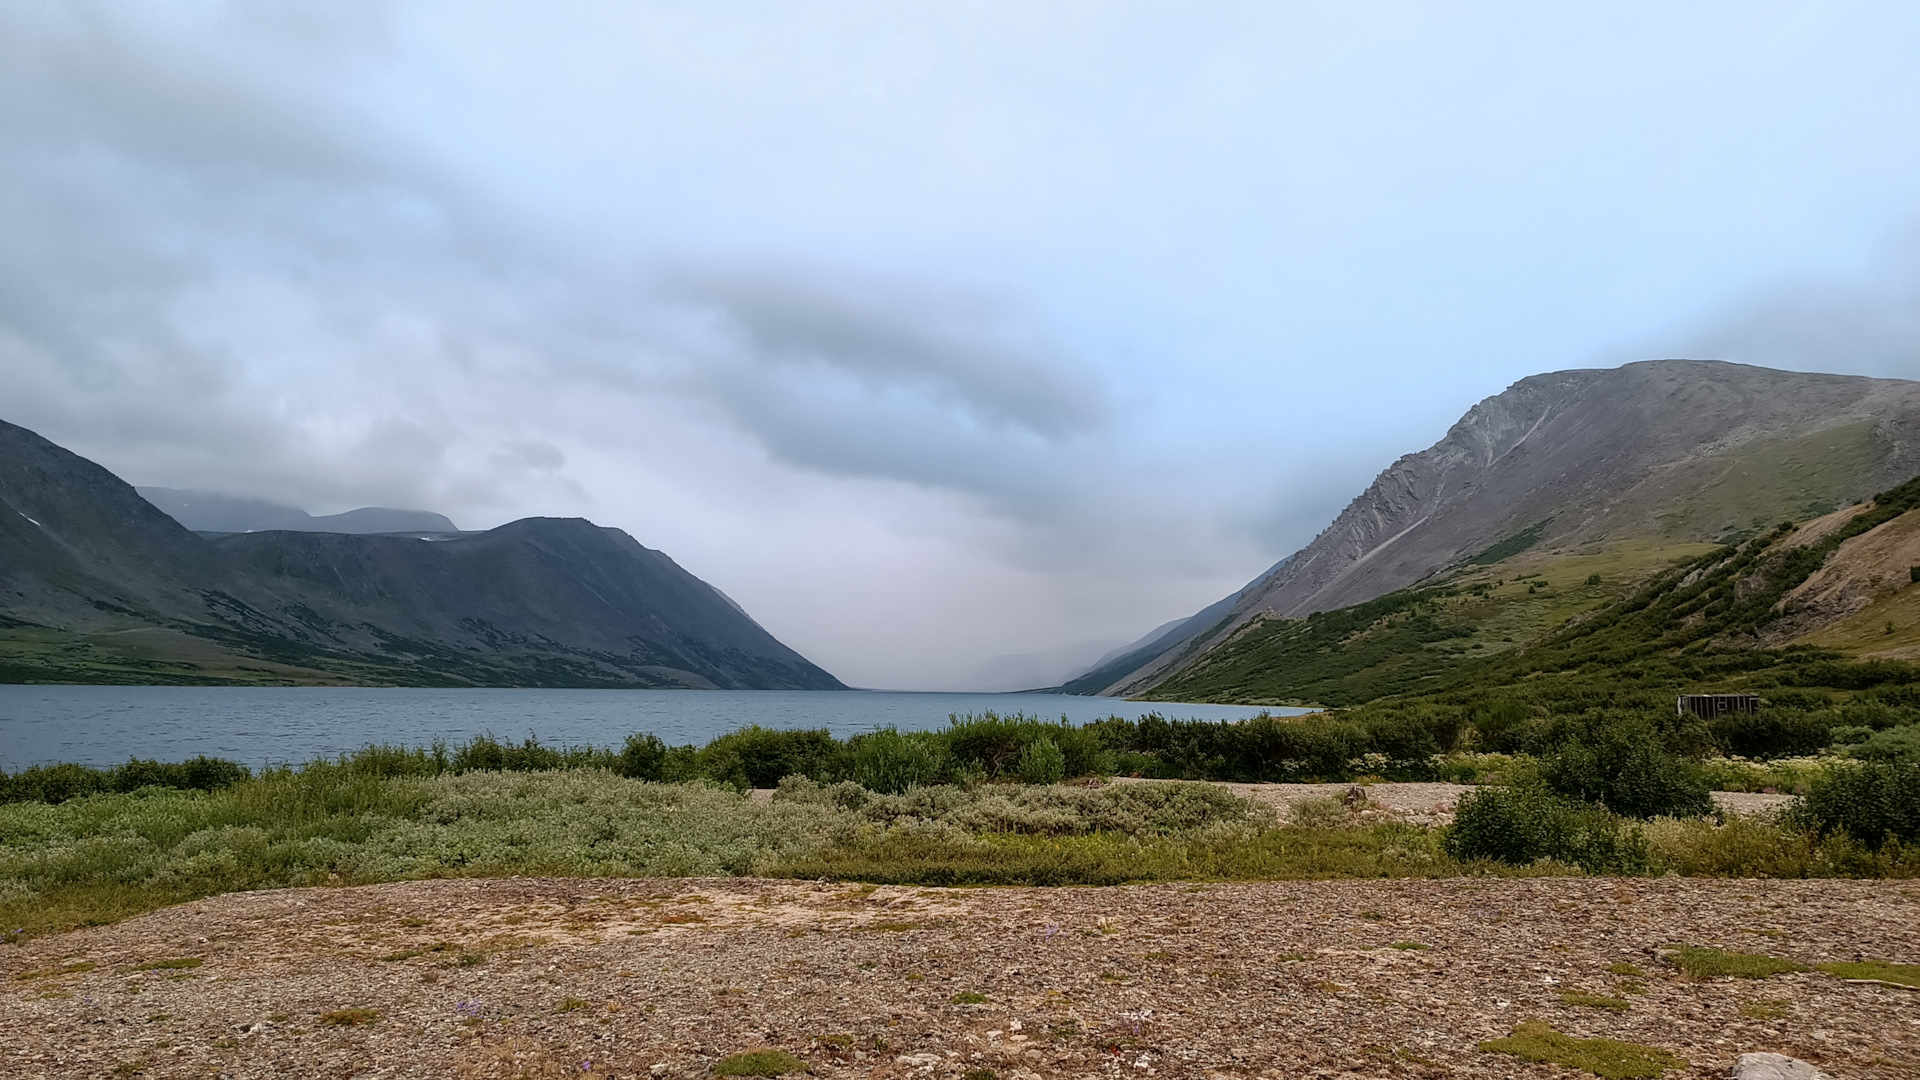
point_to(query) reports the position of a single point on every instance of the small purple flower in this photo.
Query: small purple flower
(587, 1065)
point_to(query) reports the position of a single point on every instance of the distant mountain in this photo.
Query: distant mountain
(98, 585)
(206, 512)
(1659, 453)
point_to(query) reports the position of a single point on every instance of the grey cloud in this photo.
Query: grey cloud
(1866, 324)
(950, 349)
(207, 260)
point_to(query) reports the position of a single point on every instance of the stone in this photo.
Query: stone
(1774, 1067)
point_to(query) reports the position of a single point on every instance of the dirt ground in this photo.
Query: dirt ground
(662, 978)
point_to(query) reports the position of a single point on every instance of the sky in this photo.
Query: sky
(957, 342)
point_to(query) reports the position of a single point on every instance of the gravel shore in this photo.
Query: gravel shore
(662, 978)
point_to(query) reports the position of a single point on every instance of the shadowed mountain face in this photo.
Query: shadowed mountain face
(1673, 451)
(205, 512)
(97, 584)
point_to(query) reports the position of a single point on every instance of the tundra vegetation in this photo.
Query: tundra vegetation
(972, 803)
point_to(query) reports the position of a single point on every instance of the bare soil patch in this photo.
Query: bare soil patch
(1433, 803)
(664, 978)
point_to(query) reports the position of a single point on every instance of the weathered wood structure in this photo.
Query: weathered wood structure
(1709, 706)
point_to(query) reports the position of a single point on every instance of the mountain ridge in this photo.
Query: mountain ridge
(98, 584)
(1683, 450)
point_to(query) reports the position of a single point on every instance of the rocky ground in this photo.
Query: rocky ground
(662, 978)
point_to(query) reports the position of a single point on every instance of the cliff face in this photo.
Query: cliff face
(1672, 449)
(88, 567)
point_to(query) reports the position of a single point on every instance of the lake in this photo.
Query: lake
(105, 725)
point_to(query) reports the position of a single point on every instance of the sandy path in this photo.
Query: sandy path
(1433, 803)
(637, 978)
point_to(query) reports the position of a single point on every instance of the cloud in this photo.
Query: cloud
(1866, 322)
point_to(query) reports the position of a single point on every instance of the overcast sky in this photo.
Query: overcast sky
(929, 332)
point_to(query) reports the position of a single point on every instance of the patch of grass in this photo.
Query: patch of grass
(1594, 1001)
(1534, 1040)
(571, 1004)
(1767, 1009)
(759, 1063)
(1409, 946)
(1902, 974)
(1702, 963)
(1624, 968)
(68, 969)
(969, 997)
(177, 964)
(354, 1017)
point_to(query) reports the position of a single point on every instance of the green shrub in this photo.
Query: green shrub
(759, 757)
(643, 757)
(54, 783)
(1525, 823)
(1893, 744)
(994, 745)
(58, 783)
(1042, 762)
(1872, 802)
(1624, 767)
(1771, 734)
(889, 762)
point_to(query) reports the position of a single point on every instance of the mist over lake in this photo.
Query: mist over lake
(105, 725)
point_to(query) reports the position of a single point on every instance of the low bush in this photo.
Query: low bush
(58, 783)
(1042, 762)
(1771, 734)
(1526, 823)
(1625, 767)
(1872, 802)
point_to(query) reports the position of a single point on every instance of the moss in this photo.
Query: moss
(1594, 1001)
(1903, 974)
(1534, 1040)
(1406, 946)
(176, 964)
(759, 1063)
(969, 997)
(349, 1017)
(1700, 963)
(1767, 1009)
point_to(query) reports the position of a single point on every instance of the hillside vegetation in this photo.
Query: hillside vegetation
(1647, 620)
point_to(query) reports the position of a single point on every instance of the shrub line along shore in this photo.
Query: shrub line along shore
(978, 803)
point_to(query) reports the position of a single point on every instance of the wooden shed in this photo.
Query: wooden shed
(1709, 706)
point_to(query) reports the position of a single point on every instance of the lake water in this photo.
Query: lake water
(105, 725)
